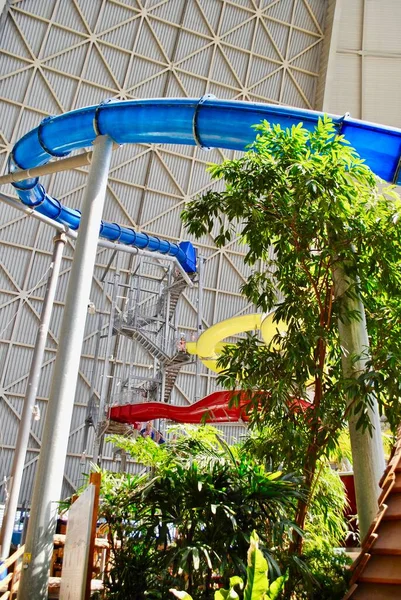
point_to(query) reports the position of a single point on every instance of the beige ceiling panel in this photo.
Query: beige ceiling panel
(350, 30)
(364, 73)
(382, 85)
(382, 26)
(346, 91)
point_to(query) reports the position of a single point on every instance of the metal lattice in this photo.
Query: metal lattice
(61, 54)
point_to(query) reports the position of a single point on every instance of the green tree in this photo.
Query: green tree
(310, 211)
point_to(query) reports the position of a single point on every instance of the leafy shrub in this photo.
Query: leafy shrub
(257, 585)
(189, 520)
(324, 575)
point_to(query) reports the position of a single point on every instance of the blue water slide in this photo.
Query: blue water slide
(207, 123)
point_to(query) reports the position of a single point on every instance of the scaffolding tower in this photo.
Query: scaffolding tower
(142, 320)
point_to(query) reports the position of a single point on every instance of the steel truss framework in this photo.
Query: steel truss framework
(62, 54)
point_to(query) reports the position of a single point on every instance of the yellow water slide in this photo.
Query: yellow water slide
(210, 343)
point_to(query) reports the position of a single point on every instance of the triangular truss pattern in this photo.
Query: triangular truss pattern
(57, 55)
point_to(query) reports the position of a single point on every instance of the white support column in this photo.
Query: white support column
(367, 450)
(199, 325)
(30, 398)
(49, 476)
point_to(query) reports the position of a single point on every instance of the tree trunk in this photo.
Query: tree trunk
(309, 471)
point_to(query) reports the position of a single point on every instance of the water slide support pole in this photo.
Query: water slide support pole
(93, 404)
(166, 345)
(50, 469)
(30, 397)
(64, 164)
(131, 354)
(367, 449)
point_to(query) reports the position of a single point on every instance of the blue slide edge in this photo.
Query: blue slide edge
(206, 122)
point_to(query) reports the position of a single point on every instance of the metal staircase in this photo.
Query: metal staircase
(171, 372)
(146, 343)
(176, 289)
(148, 318)
(144, 300)
(171, 365)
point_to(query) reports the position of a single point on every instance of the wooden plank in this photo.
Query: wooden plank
(374, 525)
(393, 507)
(389, 538)
(387, 488)
(375, 591)
(359, 568)
(59, 540)
(77, 543)
(55, 582)
(16, 577)
(11, 559)
(382, 569)
(397, 483)
(6, 579)
(350, 593)
(397, 463)
(94, 479)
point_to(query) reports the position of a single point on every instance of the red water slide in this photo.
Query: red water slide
(211, 409)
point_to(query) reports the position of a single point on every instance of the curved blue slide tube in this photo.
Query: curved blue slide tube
(208, 123)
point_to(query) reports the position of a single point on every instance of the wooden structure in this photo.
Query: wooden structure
(9, 584)
(97, 561)
(77, 570)
(377, 570)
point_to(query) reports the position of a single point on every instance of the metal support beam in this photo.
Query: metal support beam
(49, 476)
(30, 399)
(105, 386)
(199, 326)
(92, 412)
(64, 164)
(101, 242)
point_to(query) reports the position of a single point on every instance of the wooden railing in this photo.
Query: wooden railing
(11, 580)
(9, 585)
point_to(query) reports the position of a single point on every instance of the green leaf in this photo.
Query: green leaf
(277, 587)
(236, 581)
(195, 558)
(180, 595)
(229, 594)
(257, 583)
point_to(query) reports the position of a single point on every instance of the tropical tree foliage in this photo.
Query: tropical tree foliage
(307, 207)
(325, 525)
(189, 519)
